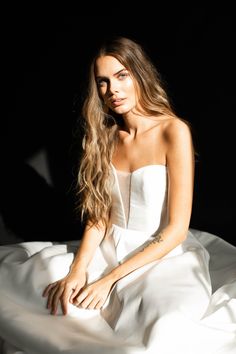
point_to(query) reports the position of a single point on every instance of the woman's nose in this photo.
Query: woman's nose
(113, 87)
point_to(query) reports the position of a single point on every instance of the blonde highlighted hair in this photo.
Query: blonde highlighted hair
(101, 127)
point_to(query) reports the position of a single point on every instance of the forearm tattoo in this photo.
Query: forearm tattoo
(157, 239)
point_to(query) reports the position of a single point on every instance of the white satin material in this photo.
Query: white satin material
(183, 303)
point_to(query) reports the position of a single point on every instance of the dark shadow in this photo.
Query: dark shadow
(31, 208)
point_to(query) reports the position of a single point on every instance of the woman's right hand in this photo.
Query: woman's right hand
(64, 291)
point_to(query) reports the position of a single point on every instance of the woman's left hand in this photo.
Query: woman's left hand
(94, 295)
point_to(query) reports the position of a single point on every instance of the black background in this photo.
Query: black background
(45, 59)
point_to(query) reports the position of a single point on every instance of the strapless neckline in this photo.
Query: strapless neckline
(139, 169)
(139, 195)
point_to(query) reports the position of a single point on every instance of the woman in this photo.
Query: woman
(140, 280)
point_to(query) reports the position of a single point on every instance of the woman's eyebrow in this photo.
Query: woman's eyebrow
(104, 77)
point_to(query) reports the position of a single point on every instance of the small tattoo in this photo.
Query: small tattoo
(157, 239)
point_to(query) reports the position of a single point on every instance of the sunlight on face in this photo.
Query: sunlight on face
(115, 85)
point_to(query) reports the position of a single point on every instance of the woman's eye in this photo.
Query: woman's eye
(101, 83)
(122, 75)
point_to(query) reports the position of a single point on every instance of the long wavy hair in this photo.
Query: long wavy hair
(101, 127)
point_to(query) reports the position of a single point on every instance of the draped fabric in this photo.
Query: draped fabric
(182, 303)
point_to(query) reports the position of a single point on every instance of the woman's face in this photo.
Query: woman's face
(115, 85)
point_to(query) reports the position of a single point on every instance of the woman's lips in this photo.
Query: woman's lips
(117, 102)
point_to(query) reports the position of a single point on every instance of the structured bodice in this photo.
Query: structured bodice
(139, 198)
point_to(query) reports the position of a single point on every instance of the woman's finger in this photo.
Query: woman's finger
(48, 288)
(99, 304)
(85, 303)
(65, 298)
(55, 300)
(74, 293)
(80, 298)
(50, 296)
(93, 304)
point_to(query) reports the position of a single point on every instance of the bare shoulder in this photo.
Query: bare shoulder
(176, 130)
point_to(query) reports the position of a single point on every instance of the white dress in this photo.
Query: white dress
(184, 303)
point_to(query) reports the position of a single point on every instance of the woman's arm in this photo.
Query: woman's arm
(66, 289)
(91, 239)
